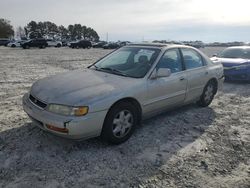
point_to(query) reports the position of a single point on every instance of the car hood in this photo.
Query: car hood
(229, 62)
(81, 87)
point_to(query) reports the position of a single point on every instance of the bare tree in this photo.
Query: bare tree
(20, 32)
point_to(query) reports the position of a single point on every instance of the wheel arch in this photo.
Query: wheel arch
(132, 101)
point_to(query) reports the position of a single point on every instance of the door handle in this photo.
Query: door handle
(206, 72)
(182, 78)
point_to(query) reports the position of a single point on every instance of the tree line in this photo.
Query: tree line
(49, 29)
(6, 29)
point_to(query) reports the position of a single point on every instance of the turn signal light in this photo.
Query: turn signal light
(57, 129)
(81, 111)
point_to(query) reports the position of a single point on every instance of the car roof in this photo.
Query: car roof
(239, 47)
(157, 45)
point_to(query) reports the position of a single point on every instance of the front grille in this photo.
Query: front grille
(37, 102)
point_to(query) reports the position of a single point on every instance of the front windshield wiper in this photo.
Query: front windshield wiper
(111, 70)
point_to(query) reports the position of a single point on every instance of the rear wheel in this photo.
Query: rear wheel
(120, 123)
(58, 45)
(208, 94)
(26, 47)
(13, 45)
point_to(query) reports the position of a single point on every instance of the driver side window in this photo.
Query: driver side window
(171, 60)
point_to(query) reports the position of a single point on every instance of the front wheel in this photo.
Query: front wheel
(120, 123)
(208, 94)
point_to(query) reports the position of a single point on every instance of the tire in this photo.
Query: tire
(208, 94)
(13, 46)
(58, 45)
(26, 47)
(120, 123)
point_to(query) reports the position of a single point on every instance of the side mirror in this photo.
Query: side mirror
(161, 72)
(215, 55)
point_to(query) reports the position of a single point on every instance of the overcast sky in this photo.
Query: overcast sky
(207, 20)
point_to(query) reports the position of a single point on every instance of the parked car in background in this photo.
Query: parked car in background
(99, 44)
(112, 96)
(80, 44)
(54, 43)
(4, 41)
(16, 43)
(123, 43)
(236, 62)
(39, 43)
(111, 45)
(65, 42)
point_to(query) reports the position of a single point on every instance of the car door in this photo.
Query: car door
(34, 43)
(166, 92)
(197, 73)
(31, 43)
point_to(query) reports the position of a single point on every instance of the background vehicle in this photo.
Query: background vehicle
(65, 42)
(40, 43)
(16, 43)
(4, 41)
(123, 43)
(111, 45)
(81, 44)
(54, 43)
(99, 44)
(112, 96)
(236, 62)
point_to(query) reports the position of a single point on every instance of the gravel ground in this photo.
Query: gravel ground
(187, 147)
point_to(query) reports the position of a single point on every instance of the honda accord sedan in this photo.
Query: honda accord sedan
(113, 95)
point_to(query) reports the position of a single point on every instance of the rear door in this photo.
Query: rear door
(167, 91)
(197, 73)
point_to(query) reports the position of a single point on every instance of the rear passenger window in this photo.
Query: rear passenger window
(191, 59)
(171, 60)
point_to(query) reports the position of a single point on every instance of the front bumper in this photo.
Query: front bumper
(221, 82)
(84, 127)
(237, 74)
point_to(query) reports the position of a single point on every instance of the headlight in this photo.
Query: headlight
(68, 110)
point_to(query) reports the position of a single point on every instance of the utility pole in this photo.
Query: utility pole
(107, 37)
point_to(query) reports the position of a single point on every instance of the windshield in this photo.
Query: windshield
(243, 53)
(129, 61)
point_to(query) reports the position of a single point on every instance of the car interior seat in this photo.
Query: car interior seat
(143, 59)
